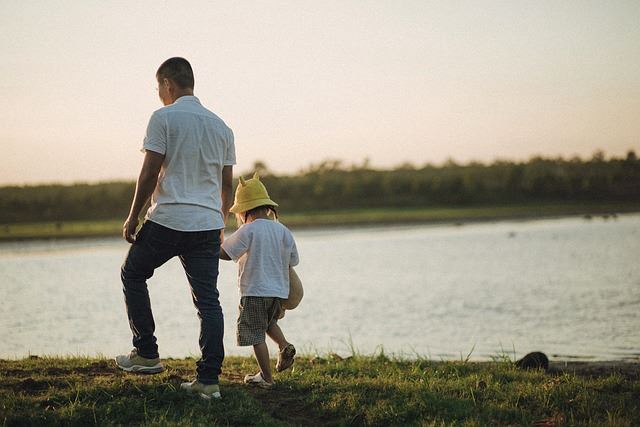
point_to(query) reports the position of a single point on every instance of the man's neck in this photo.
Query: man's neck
(182, 92)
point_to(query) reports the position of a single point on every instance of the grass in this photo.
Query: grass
(450, 214)
(329, 390)
(65, 229)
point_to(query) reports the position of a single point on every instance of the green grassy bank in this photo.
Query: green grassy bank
(70, 229)
(359, 390)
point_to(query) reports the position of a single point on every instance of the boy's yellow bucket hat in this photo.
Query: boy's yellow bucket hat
(250, 194)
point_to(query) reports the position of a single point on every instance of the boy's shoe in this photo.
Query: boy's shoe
(205, 391)
(135, 363)
(285, 358)
(257, 380)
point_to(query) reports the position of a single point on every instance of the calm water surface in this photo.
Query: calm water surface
(569, 287)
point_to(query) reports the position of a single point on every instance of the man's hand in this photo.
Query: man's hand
(224, 255)
(129, 229)
(227, 191)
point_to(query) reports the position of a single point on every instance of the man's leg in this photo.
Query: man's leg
(145, 255)
(200, 261)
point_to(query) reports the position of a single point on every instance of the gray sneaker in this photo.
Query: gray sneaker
(205, 391)
(135, 363)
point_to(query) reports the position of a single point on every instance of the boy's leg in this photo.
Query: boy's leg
(261, 352)
(276, 334)
(286, 351)
(200, 262)
(253, 322)
(145, 255)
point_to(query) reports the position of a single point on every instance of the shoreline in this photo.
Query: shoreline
(456, 216)
(596, 368)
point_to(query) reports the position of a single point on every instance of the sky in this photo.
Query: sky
(300, 82)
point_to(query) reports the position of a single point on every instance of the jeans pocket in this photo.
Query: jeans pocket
(142, 232)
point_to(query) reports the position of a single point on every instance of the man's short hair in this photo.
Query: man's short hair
(178, 70)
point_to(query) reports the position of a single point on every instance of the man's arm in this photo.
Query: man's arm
(227, 191)
(147, 181)
(224, 255)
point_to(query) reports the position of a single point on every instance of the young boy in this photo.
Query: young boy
(264, 250)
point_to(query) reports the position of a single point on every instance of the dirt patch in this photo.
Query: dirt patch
(34, 386)
(99, 368)
(286, 405)
(175, 380)
(282, 402)
(17, 373)
(50, 405)
(57, 371)
(31, 386)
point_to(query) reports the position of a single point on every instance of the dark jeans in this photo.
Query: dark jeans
(199, 252)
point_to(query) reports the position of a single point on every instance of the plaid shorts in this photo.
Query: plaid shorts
(257, 315)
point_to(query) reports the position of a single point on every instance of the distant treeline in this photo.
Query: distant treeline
(330, 185)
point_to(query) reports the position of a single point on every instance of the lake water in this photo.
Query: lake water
(569, 287)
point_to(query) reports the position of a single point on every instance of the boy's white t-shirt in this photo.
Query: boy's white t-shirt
(264, 250)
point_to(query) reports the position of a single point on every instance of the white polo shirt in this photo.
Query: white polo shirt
(196, 144)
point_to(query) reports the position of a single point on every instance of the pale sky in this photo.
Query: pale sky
(303, 81)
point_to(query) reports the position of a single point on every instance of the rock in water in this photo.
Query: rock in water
(535, 360)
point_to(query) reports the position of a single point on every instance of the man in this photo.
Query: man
(187, 172)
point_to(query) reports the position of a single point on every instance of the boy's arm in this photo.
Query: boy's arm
(235, 245)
